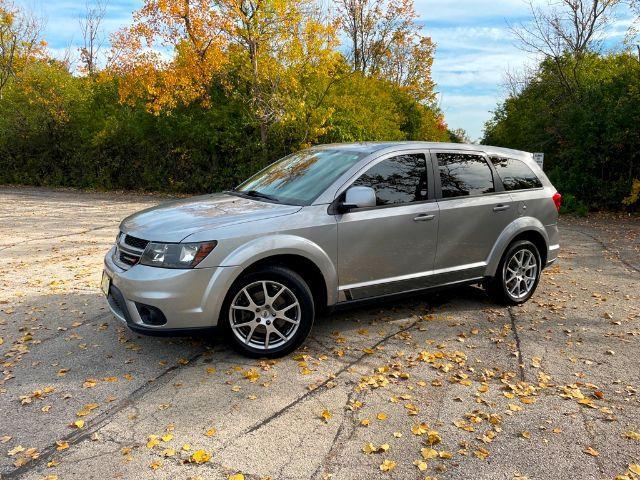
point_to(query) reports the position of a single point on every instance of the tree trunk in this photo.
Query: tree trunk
(253, 53)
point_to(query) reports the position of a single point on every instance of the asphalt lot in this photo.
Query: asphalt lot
(444, 385)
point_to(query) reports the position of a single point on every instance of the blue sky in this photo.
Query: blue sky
(475, 47)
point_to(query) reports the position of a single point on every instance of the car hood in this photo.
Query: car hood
(176, 220)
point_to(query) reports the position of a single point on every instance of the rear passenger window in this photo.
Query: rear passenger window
(515, 174)
(463, 174)
(397, 180)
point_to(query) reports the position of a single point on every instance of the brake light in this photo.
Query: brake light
(557, 200)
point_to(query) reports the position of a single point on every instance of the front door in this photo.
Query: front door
(473, 213)
(391, 247)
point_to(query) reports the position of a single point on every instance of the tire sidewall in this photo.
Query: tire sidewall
(515, 247)
(298, 287)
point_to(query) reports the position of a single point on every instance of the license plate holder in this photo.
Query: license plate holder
(105, 283)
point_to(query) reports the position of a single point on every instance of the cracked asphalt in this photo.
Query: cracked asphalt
(445, 385)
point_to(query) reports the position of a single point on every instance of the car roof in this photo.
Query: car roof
(373, 147)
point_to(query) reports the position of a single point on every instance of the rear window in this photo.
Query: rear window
(463, 174)
(515, 174)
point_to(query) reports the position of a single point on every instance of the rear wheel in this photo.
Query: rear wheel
(517, 275)
(269, 312)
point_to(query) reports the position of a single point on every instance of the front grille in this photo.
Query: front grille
(128, 250)
(135, 242)
(128, 258)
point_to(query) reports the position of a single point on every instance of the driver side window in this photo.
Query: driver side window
(397, 180)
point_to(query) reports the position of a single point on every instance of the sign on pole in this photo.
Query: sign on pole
(539, 158)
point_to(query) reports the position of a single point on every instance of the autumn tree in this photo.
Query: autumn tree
(170, 53)
(20, 42)
(385, 41)
(277, 42)
(176, 50)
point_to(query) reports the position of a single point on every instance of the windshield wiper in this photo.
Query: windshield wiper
(257, 194)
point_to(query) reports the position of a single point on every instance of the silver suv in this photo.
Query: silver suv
(334, 225)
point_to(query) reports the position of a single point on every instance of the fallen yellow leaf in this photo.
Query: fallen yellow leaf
(421, 464)
(591, 451)
(90, 383)
(200, 456)
(62, 445)
(15, 450)
(152, 441)
(428, 453)
(632, 435)
(387, 465)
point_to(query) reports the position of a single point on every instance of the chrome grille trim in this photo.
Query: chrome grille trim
(135, 242)
(127, 255)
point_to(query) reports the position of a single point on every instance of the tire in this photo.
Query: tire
(514, 288)
(276, 323)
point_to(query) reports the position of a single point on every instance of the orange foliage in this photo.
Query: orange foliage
(170, 53)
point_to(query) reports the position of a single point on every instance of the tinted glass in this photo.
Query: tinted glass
(515, 174)
(397, 180)
(463, 174)
(301, 177)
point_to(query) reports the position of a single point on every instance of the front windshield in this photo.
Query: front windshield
(301, 177)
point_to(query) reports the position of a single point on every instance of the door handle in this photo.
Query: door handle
(423, 217)
(500, 208)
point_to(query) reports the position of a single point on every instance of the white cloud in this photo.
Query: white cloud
(473, 11)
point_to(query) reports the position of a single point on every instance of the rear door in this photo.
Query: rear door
(474, 209)
(390, 247)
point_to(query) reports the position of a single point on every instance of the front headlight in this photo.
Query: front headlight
(176, 255)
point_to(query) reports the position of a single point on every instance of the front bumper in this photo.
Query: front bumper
(189, 298)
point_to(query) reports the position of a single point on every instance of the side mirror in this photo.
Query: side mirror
(358, 197)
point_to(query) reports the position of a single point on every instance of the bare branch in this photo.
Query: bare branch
(564, 32)
(92, 36)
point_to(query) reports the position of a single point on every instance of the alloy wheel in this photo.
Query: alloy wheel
(265, 315)
(520, 273)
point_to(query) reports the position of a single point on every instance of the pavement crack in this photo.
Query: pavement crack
(301, 398)
(585, 424)
(338, 443)
(78, 436)
(6, 247)
(521, 371)
(605, 247)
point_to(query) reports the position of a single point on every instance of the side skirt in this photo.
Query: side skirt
(405, 293)
(358, 292)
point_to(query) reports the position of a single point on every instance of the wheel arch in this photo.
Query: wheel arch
(304, 267)
(301, 255)
(523, 228)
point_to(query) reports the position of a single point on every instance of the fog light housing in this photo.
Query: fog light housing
(151, 315)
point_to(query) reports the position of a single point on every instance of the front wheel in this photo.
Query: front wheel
(517, 275)
(269, 312)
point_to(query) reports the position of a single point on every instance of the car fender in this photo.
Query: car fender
(277, 244)
(518, 226)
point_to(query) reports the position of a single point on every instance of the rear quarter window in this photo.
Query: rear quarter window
(515, 174)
